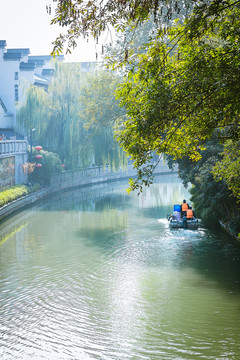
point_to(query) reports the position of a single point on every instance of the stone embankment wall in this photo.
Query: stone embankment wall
(13, 154)
(69, 180)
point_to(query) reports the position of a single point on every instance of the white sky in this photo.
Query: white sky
(26, 24)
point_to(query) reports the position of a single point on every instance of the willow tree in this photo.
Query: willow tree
(76, 117)
(34, 113)
(65, 131)
(100, 113)
(55, 116)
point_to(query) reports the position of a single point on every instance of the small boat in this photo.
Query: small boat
(177, 221)
(183, 223)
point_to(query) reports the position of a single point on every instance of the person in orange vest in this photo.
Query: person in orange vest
(190, 213)
(184, 208)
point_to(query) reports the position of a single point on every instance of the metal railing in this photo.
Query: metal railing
(13, 147)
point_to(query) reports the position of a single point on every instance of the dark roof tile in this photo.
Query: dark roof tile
(47, 72)
(38, 62)
(12, 56)
(45, 57)
(27, 66)
(3, 43)
(24, 51)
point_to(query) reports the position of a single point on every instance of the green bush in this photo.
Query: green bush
(15, 192)
(50, 165)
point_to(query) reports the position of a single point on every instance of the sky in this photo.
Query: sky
(26, 24)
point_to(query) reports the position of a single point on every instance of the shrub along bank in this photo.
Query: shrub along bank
(16, 192)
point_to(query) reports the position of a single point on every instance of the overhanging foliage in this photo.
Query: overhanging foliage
(183, 90)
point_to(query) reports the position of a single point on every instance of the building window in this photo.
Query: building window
(16, 92)
(16, 76)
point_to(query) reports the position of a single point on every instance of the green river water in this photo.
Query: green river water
(96, 273)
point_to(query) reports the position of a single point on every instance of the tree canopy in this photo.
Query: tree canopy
(184, 91)
(92, 18)
(176, 99)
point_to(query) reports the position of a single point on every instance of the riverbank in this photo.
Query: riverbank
(70, 180)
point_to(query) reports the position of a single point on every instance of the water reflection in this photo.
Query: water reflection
(98, 274)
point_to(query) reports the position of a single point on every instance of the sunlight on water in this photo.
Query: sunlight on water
(98, 274)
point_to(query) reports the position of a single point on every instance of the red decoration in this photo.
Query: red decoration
(38, 147)
(38, 156)
(38, 165)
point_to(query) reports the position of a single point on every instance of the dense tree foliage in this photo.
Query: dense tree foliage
(184, 90)
(229, 167)
(92, 18)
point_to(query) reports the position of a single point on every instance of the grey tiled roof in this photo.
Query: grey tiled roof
(24, 51)
(39, 57)
(12, 56)
(27, 66)
(38, 62)
(45, 57)
(3, 43)
(47, 72)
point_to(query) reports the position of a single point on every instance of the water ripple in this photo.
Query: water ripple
(116, 285)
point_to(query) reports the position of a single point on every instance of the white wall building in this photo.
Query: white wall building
(17, 70)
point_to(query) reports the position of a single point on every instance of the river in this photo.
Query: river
(96, 273)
